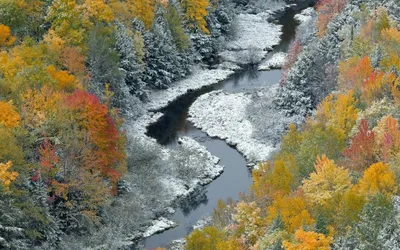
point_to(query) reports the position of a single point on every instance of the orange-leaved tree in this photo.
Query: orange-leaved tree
(6, 38)
(105, 148)
(360, 154)
(9, 117)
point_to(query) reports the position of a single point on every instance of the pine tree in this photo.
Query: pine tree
(129, 63)
(161, 53)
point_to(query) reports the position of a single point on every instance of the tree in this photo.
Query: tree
(272, 180)
(360, 153)
(206, 239)
(378, 178)
(387, 138)
(144, 10)
(249, 221)
(9, 117)
(129, 62)
(106, 153)
(175, 24)
(309, 240)
(328, 9)
(99, 11)
(293, 212)
(340, 113)
(377, 85)
(6, 176)
(162, 57)
(195, 12)
(6, 39)
(327, 182)
(353, 72)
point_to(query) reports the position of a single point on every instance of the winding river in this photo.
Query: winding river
(236, 177)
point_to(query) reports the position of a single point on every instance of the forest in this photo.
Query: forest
(75, 74)
(334, 183)
(71, 72)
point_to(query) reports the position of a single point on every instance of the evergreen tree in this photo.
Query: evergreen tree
(129, 63)
(162, 56)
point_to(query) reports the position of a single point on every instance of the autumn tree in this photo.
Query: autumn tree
(327, 182)
(249, 221)
(338, 111)
(307, 240)
(272, 180)
(106, 152)
(7, 176)
(360, 154)
(9, 117)
(353, 72)
(378, 178)
(6, 39)
(195, 12)
(293, 212)
(144, 10)
(387, 138)
(328, 9)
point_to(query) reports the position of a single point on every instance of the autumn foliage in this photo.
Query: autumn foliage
(320, 187)
(327, 10)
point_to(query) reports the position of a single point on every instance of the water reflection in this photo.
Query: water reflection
(191, 203)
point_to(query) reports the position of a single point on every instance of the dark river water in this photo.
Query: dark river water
(236, 177)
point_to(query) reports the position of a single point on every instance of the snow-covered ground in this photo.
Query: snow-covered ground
(223, 115)
(305, 15)
(254, 31)
(255, 37)
(275, 62)
(198, 79)
(159, 225)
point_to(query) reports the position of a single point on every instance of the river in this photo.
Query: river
(236, 177)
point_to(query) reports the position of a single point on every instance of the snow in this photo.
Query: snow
(254, 31)
(223, 115)
(211, 169)
(255, 37)
(159, 225)
(305, 15)
(199, 79)
(275, 62)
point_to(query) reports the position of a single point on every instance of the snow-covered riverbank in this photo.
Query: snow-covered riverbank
(223, 115)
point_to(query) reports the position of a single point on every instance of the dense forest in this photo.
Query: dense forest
(71, 72)
(334, 184)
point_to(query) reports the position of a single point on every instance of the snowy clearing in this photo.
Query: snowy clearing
(254, 31)
(223, 115)
(275, 62)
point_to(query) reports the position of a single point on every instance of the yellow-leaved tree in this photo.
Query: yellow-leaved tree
(9, 117)
(144, 10)
(309, 241)
(6, 176)
(196, 11)
(378, 178)
(293, 212)
(327, 182)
